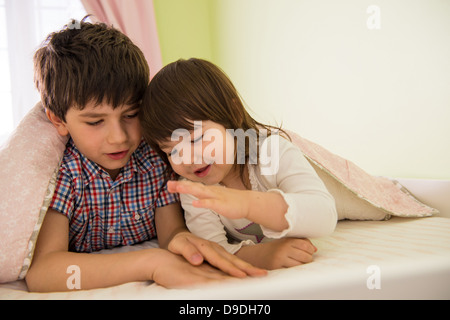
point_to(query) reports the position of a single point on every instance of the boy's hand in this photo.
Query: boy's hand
(174, 271)
(196, 250)
(280, 253)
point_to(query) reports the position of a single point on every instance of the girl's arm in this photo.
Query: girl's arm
(311, 208)
(297, 204)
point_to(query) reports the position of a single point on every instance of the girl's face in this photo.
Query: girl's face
(205, 154)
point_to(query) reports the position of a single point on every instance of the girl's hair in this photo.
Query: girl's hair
(86, 62)
(192, 90)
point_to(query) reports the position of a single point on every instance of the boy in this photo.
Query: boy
(110, 189)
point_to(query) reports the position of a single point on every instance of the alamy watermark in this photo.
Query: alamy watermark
(73, 24)
(374, 20)
(233, 145)
(74, 280)
(374, 280)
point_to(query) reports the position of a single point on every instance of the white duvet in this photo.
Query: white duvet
(401, 258)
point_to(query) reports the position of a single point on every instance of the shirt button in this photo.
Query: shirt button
(137, 217)
(111, 230)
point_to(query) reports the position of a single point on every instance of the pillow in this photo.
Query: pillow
(28, 160)
(359, 195)
(34, 235)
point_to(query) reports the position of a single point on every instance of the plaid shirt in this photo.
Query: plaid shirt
(104, 213)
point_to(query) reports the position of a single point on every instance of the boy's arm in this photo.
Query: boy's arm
(173, 234)
(51, 269)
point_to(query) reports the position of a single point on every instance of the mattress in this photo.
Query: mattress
(401, 258)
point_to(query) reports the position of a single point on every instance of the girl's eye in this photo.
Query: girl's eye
(197, 140)
(173, 152)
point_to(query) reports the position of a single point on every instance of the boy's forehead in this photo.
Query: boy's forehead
(93, 108)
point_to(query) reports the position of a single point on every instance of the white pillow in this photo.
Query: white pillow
(359, 195)
(28, 160)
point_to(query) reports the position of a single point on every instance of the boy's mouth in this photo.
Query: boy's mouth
(117, 155)
(202, 172)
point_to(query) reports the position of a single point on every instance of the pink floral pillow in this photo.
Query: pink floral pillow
(359, 195)
(28, 161)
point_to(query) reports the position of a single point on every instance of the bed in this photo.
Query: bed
(396, 257)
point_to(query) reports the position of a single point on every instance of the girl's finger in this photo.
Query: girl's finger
(305, 245)
(300, 256)
(194, 188)
(206, 203)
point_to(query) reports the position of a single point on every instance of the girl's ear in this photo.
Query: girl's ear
(57, 122)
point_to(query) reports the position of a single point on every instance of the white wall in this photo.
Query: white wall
(380, 98)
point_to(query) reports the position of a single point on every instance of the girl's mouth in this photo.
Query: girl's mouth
(202, 172)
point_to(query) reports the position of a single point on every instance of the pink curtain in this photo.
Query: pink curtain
(136, 19)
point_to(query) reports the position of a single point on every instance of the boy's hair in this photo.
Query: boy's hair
(192, 90)
(89, 62)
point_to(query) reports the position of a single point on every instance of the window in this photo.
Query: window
(23, 27)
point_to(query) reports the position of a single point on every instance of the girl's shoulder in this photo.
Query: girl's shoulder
(275, 145)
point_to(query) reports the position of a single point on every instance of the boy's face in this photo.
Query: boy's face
(104, 135)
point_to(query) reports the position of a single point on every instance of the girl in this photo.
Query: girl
(243, 185)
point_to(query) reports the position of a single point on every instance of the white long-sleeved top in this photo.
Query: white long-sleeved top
(311, 208)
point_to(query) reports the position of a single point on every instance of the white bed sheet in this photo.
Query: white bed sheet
(411, 255)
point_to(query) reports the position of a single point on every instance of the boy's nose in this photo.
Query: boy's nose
(117, 135)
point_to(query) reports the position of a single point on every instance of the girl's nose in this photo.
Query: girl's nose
(197, 154)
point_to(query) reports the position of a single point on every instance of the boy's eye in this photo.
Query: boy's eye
(132, 115)
(95, 123)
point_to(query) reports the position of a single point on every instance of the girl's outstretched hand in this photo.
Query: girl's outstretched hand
(265, 208)
(228, 202)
